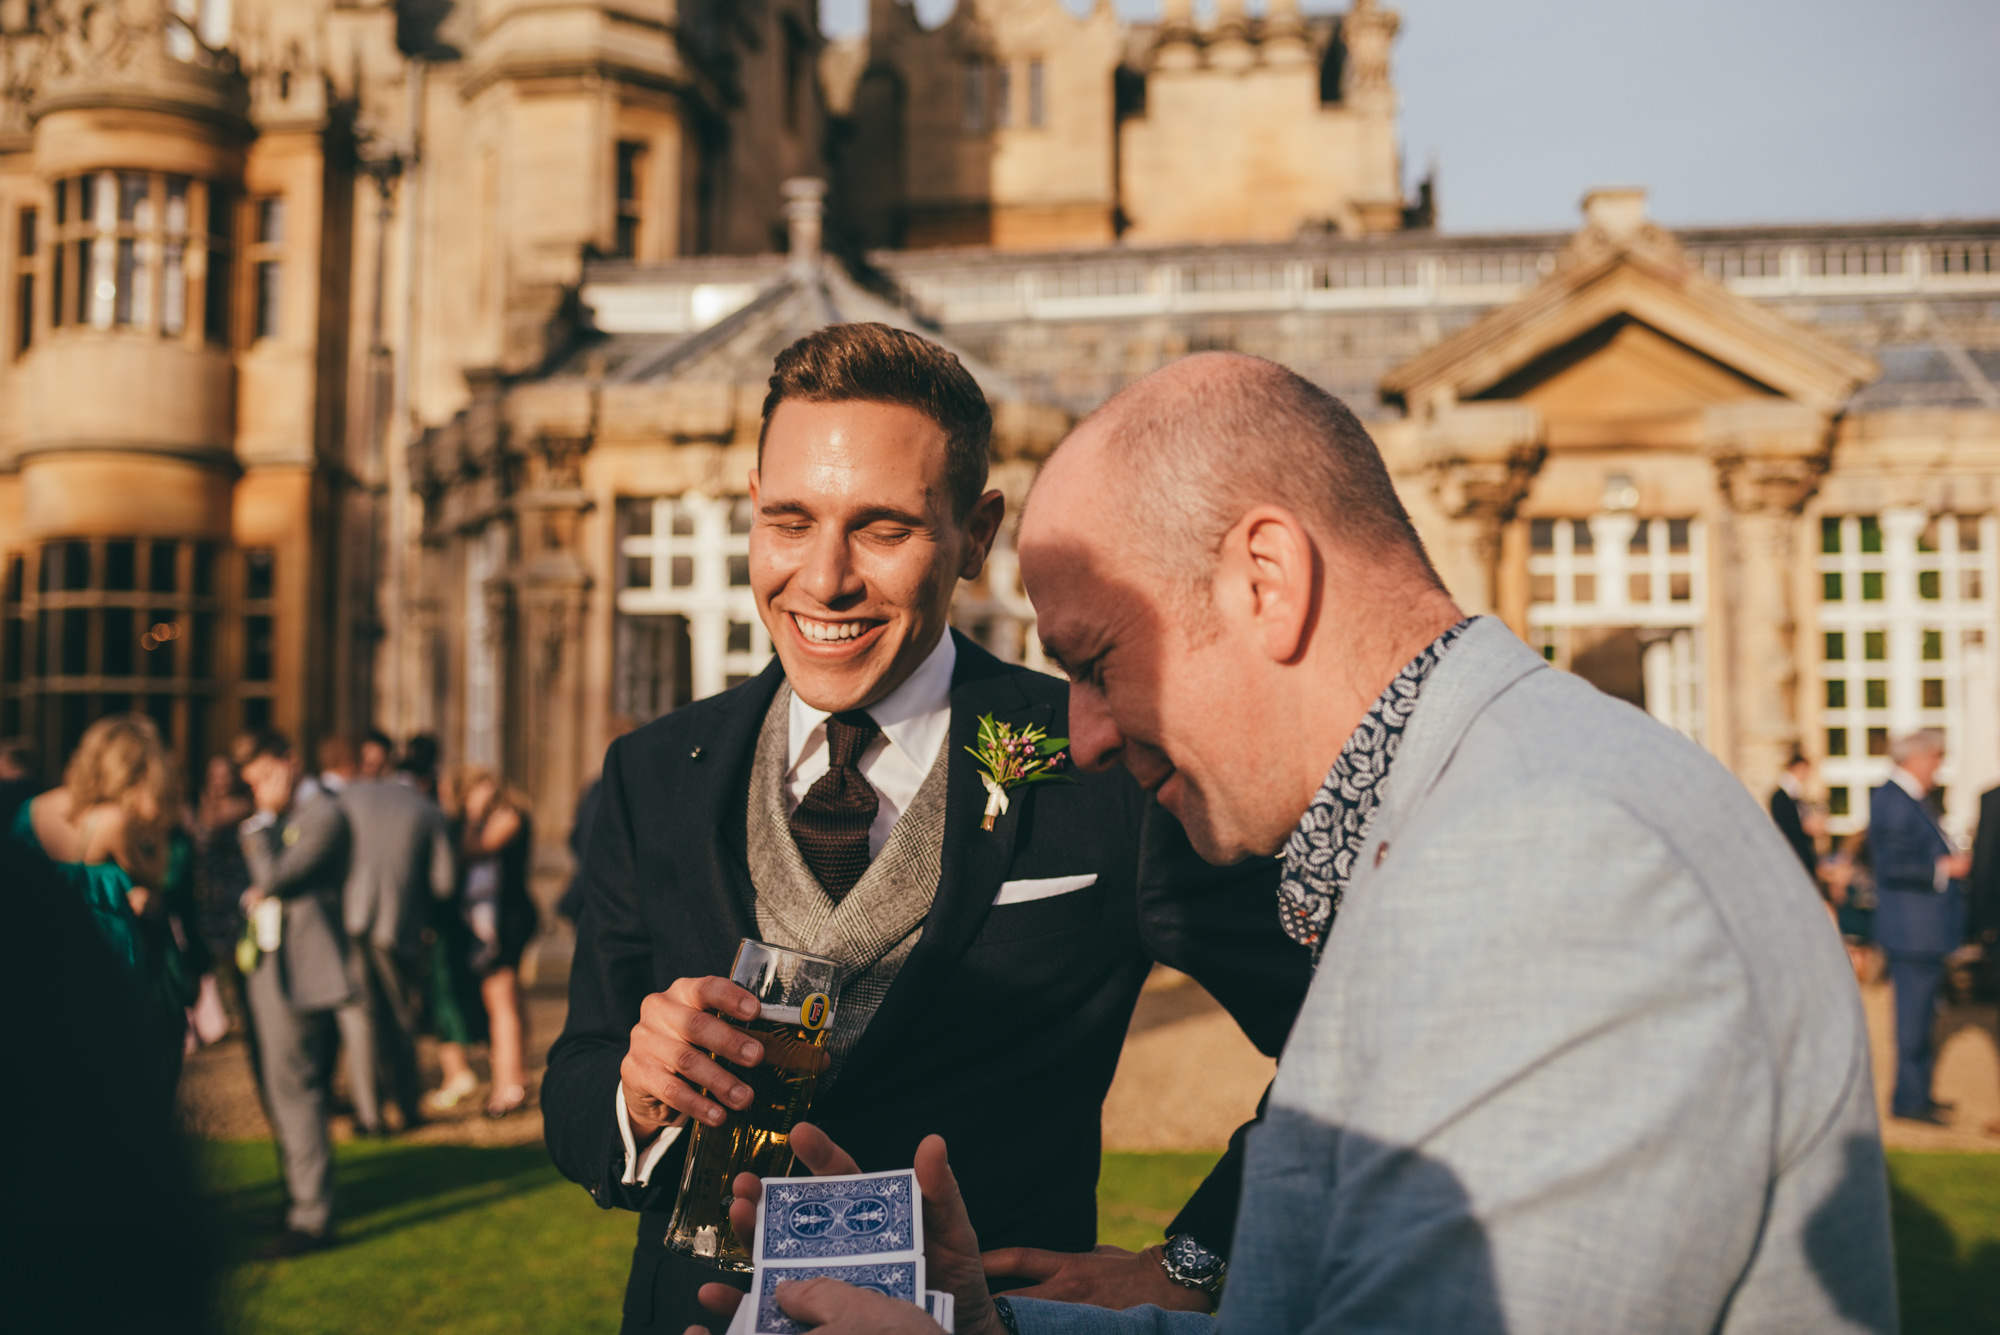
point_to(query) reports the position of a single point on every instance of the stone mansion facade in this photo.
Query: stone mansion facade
(398, 363)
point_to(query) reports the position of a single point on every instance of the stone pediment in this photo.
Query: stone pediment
(1629, 318)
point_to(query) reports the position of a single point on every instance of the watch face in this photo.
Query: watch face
(1191, 1263)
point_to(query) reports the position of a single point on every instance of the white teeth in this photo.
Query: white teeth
(827, 632)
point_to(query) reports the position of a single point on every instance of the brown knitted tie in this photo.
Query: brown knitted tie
(831, 824)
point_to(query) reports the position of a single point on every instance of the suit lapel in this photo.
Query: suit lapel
(975, 861)
(716, 770)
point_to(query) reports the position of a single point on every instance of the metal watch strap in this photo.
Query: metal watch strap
(1193, 1266)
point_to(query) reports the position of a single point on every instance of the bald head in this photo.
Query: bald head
(1184, 453)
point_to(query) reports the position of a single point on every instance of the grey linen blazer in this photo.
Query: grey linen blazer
(1583, 1053)
(402, 859)
(302, 859)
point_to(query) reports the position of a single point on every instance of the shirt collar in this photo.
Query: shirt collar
(914, 717)
(1320, 855)
(1907, 781)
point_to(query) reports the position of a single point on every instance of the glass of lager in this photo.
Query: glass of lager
(795, 993)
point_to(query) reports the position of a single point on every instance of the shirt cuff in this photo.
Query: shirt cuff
(639, 1167)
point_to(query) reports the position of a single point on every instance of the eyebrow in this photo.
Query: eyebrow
(869, 515)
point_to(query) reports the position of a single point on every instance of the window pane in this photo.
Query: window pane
(260, 565)
(1871, 534)
(215, 289)
(1038, 112)
(1680, 587)
(1639, 588)
(1969, 586)
(1933, 693)
(1829, 535)
(270, 222)
(1836, 646)
(1878, 741)
(1927, 585)
(177, 206)
(1968, 533)
(135, 199)
(683, 520)
(121, 639)
(1836, 801)
(57, 256)
(121, 565)
(259, 646)
(159, 642)
(739, 572)
(1541, 535)
(1541, 588)
(1927, 537)
(1580, 538)
(1874, 645)
(1677, 535)
(257, 713)
(75, 642)
(1871, 586)
(1829, 587)
(128, 263)
(1836, 694)
(638, 572)
(741, 516)
(1003, 95)
(201, 646)
(269, 295)
(24, 313)
(1877, 692)
(173, 289)
(739, 637)
(1933, 646)
(163, 562)
(204, 570)
(1836, 741)
(682, 571)
(637, 516)
(75, 559)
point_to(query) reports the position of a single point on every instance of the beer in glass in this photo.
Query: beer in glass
(795, 995)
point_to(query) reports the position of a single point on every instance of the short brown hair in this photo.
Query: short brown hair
(877, 363)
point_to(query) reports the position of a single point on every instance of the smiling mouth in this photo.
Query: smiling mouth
(815, 631)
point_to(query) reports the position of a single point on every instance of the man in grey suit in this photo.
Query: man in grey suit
(402, 859)
(298, 855)
(1582, 1052)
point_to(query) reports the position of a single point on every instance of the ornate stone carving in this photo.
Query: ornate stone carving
(1765, 484)
(1367, 31)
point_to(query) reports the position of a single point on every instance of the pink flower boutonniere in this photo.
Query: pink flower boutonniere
(1010, 759)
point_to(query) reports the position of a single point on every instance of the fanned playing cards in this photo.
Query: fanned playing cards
(866, 1230)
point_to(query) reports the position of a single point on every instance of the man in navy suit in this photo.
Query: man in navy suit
(988, 968)
(1920, 916)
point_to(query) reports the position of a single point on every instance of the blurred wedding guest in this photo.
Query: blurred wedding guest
(81, 1024)
(1789, 810)
(1983, 917)
(402, 862)
(17, 777)
(378, 756)
(1919, 911)
(1848, 874)
(495, 837)
(297, 848)
(112, 829)
(571, 904)
(220, 877)
(336, 763)
(420, 764)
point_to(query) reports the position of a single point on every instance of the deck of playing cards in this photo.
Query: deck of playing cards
(866, 1230)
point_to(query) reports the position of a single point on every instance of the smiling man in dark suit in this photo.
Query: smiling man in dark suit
(987, 976)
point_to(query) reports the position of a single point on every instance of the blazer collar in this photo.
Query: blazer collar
(726, 739)
(1487, 659)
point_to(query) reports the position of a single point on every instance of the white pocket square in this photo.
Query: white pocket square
(1021, 892)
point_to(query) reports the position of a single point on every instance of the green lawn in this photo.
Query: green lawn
(458, 1241)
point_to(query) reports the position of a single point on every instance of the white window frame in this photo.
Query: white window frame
(708, 601)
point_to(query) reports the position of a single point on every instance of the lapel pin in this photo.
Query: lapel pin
(695, 754)
(1381, 851)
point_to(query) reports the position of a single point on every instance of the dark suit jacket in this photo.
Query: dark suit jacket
(1785, 812)
(1004, 1026)
(1912, 916)
(1983, 889)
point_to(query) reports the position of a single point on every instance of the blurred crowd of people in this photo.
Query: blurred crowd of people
(1911, 901)
(350, 905)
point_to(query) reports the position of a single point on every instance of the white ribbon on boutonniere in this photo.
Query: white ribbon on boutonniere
(1011, 759)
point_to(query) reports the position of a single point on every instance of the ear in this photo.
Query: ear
(982, 527)
(756, 481)
(1273, 564)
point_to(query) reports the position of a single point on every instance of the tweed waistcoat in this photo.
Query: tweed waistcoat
(876, 925)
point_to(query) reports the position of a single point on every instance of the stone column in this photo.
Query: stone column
(1769, 458)
(549, 751)
(1481, 459)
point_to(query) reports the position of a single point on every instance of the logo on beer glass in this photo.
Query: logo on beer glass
(812, 1014)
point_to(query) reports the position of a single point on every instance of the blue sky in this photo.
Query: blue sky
(1729, 111)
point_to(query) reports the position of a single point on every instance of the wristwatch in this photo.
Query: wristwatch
(1193, 1266)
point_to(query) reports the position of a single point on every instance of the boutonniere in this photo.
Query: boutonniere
(1010, 759)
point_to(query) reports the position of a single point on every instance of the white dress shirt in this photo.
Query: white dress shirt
(915, 719)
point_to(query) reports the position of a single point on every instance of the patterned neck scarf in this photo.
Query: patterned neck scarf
(1320, 855)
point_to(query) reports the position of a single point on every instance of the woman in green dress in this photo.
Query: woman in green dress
(112, 831)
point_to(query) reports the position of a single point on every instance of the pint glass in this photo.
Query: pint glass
(795, 992)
